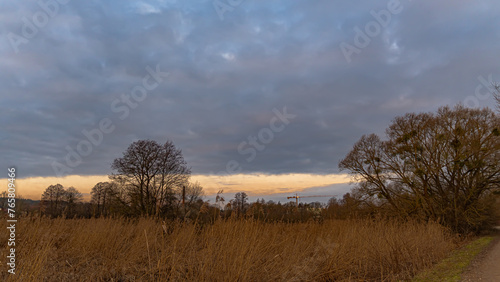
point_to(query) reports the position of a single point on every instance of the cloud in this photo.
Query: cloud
(228, 56)
(145, 9)
(226, 77)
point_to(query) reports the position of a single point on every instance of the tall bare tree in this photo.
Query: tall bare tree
(108, 198)
(240, 203)
(440, 166)
(72, 197)
(151, 172)
(53, 200)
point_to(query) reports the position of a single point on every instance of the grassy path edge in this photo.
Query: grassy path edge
(451, 268)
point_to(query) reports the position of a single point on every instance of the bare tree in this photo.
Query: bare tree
(98, 197)
(72, 197)
(434, 166)
(188, 201)
(193, 193)
(152, 172)
(3, 200)
(108, 198)
(189, 195)
(240, 203)
(53, 199)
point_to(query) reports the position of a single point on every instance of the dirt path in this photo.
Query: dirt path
(487, 267)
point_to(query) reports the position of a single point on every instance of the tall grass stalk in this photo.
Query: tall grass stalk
(107, 249)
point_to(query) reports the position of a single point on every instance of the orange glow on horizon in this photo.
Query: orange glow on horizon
(253, 184)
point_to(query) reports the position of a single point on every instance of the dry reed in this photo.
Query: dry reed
(107, 249)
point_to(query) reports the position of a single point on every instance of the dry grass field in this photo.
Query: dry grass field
(235, 250)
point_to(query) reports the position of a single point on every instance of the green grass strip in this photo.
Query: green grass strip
(451, 268)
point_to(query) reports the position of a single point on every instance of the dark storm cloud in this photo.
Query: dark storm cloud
(226, 77)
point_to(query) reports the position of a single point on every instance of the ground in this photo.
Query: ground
(487, 266)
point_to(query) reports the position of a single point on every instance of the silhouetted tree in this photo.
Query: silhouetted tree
(52, 200)
(108, 198)
(240, 203)
(434, 166)
(72, 197)
(151, 172)
(191, 194)
(56, 201)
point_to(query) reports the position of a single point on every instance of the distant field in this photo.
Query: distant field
(123, 250)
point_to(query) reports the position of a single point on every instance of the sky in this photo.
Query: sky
(271, 90)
